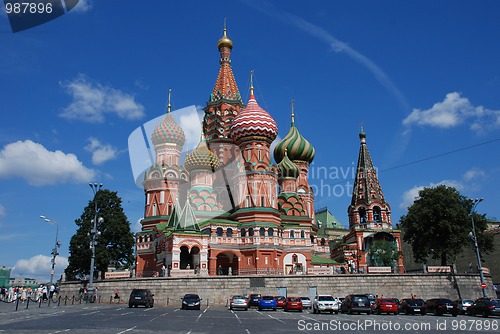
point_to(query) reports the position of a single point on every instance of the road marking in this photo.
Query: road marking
(127, 330)
(91, 313)
(161, 315)
(313, 319)
(270, 316)
(148, 309)
(66, 330)
(248, 332)
(236, 316)
(126, 313)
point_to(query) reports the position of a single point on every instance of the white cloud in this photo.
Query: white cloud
(91, 100)
(474, 173)
(100, 152)
(38, 166)
(410, 195)
(453, 111)
(39, 267)
(190, 122)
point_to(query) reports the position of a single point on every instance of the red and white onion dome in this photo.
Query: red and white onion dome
(253, 122)
(168, 132)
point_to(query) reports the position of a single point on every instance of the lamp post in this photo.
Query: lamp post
(476, 248)
(56, 246)
(93, 234)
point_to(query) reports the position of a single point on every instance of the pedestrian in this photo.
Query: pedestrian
(51, 291)
(3, 293)
(163, 270)
(470, 266)
(44, 293)
(116, 294)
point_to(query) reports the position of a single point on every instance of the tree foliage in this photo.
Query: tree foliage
(438, 224)
(114, 245)
(383, 253)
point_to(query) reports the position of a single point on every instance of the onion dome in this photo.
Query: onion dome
(201, 158)
(287, 169)
(297, 147)
(253, 121)
(225, 41)
(168, 131)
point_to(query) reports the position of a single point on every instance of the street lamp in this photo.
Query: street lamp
(93, 234)
(56, 246)
(476, 248)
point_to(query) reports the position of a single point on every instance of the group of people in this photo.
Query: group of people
(22, 293)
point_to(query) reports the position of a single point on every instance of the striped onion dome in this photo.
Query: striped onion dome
(253, 121)
(168, 132)
(297, 147)
(287, 169)
(201, 158)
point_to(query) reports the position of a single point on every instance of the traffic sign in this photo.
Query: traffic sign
(483, 285)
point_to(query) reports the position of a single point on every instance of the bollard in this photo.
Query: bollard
(207, 301)
(28, 302)
(49, 301)
(39, 302)
(65, 300)
(59, 301)
(168, 299)
(17, 303)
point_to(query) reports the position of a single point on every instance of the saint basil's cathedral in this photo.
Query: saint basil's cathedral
(229, 210)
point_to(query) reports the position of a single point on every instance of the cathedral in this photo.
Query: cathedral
(228, 209)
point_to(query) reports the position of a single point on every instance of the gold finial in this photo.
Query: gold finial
(251, 84)
(293, 111)
(169, 106)
(225, 41)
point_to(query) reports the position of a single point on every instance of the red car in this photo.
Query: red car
(386, 305)
(280, 301)
(293, 303)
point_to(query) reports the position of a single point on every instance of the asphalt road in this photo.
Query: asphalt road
(119, 319)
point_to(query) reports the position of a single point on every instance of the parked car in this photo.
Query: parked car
(463, 304)
(238, 302)
(356, 303)
(141, 297)
(280, 301)
(372, 298)
(385, 305)
(484, 307)
(191, 301)
(293, 303)
(254, 299)
(412, 306)
(441, 306)
(267, 302)
(325, 303)
(306, 302)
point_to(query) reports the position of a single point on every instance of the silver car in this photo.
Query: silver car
(238, 302)
(326, 303)
(306, 302)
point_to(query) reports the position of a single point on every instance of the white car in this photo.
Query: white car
(326, 303)
(306, 302)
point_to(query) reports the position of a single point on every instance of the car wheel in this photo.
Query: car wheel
(485, 314)
(314, 310)
(331, 312)
(136, 305)
(130, 305)
(350, 311)
(423, 312)
(300, 311)
(260, 308)
(246, 308)
(274, 309)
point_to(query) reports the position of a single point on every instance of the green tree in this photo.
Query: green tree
(383, 253)
(438, 224)
(115, 241)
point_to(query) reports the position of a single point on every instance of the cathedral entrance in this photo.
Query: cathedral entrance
(190, 259)
(227, 264)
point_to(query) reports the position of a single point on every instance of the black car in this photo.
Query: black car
(254, 299)
(484, 307)
(356, 303)
(191, 301)
(441, 306)
(412, 306)
(141, 297)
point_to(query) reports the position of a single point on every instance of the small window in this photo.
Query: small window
(243, 232)
(270, 232)
(219, 231)
(229, 232)
(292, 234)
(302, 234)
(250, 232)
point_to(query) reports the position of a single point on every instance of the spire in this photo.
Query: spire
(252, 97)
(169, 106)
(225, 41)
(366, 185)
(292, 102)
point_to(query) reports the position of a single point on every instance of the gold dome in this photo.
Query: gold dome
(225, 41)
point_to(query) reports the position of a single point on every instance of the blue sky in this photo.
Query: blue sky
(423, 77)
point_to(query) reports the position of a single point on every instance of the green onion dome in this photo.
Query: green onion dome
(287, 169)
(201, 158)
(168, 132)
(297, 147)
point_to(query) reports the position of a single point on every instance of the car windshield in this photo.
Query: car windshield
(238, 297)
(467, 301)
(359, 298)
(325, 298)
(280, 298)
(496, 302)
(137, 292)
(387, 301)
(191, 297)
(292, 299)
(305, 298)
(268, 298)
(416, 302)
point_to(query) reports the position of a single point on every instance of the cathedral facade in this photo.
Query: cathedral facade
(227, 209)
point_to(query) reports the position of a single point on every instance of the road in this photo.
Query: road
(119, 319)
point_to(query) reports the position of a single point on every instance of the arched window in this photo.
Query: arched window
(250, 232)
(292, 234)
(243, 232)
(262, 232)
(323, 241)
(219, 231)
(229, 232)
(270, 232)
(377, 214)
(206, 231)
(295, 258)
(362, 215)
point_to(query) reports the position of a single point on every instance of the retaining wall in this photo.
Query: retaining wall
(216, 290)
